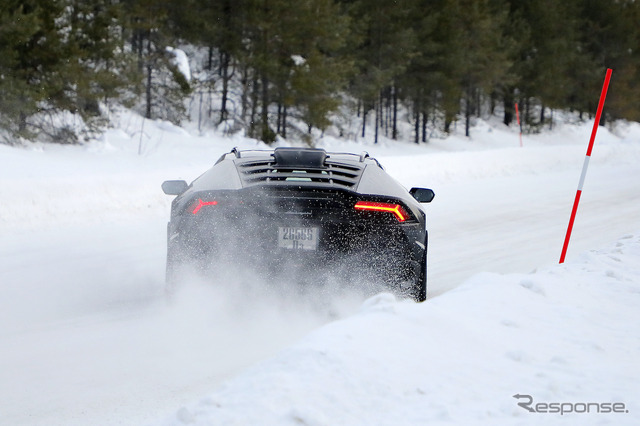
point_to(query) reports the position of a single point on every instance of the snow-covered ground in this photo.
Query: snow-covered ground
(565, 335)
(86, 336)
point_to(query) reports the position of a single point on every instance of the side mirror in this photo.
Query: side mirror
(174, 187)
(423, 195)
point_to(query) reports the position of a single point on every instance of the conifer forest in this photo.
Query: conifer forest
(286, 68)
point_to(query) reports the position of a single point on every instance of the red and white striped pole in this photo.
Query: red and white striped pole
(519, 125)
(603, 96)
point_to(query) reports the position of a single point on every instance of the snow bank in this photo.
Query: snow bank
(566, 336)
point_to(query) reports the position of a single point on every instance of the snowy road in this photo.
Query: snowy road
(519, 224)
(87, 338)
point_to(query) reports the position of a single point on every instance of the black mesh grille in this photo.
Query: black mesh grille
(332, 174)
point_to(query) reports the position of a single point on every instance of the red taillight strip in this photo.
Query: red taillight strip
(196, 207)
(396, 209)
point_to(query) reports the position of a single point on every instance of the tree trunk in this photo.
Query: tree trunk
(244, 81)
(387, 110)
(210, 59)
(200, 114)
(364, 119)
(416, 126)
(508, 108)
(375, 130)
(448, 119)
(148, 88)
(254, 106)
(424, 126)
(266, 137)
(284, 121)
(224, 69)
(394, 127)
(467, 116)
(137, 43)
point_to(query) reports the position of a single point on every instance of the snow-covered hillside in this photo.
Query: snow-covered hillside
(86, 336)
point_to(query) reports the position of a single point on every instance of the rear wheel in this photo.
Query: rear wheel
(420, 289)
(420, 294)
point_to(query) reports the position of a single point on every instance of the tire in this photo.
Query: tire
(408, 281)
(420, 294)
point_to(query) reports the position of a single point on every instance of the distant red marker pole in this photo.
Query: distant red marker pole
(603, 96)
(519, 125)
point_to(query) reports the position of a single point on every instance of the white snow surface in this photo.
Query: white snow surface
(564, 335)
(88, 337)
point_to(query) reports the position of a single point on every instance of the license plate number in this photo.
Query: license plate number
(297, 238)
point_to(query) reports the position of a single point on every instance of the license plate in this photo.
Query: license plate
(297, 238)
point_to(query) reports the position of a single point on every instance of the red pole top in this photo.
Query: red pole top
(603, 95)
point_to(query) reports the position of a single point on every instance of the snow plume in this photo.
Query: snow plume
(565, 337)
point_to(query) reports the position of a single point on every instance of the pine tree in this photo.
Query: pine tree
(484, 50)
(420, 85)
(546, 59)
(610, 38)
(290, 54)
(165, 88)
(218, 26)
(100, 68)
(19, 26)
(59, 57)
(387, 45)
(320, 67)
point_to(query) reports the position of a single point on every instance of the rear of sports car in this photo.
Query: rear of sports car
(301, 219)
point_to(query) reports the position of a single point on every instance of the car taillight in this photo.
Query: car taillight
(398, 211)
(197, 205)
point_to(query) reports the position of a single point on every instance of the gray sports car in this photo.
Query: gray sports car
(320, 214)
